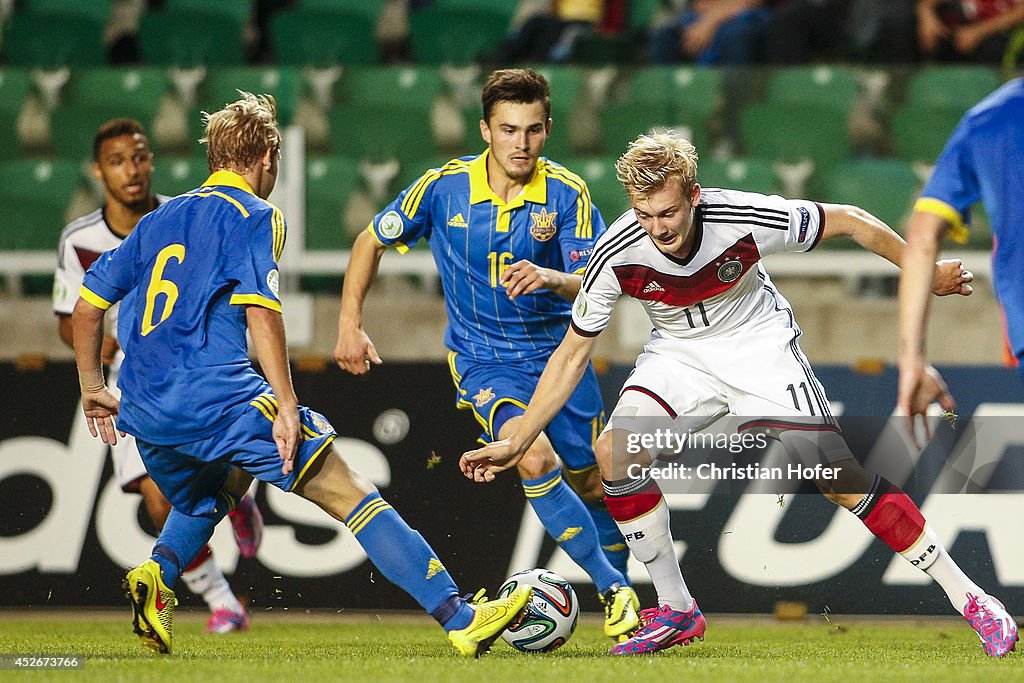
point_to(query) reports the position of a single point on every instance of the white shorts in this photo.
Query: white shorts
(762, 377)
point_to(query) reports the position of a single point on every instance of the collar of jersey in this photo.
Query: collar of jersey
(224, 178)
(535, 191)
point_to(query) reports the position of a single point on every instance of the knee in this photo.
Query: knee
(539, 460)
(603, 451)
(587, 485)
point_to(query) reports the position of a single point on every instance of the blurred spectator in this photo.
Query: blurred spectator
(967, 30)
(865, 30)
(549, 31)
(712, 32)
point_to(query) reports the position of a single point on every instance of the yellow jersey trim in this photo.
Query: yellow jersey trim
(95, 299)
(584, 208)
(255, 300)
(536, 190)
(313, 458)
(364, 516)
(277, 226)
(413, 198)
(224, 178)
(958, 230)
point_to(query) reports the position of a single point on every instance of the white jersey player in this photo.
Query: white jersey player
(724, 342)
(123, 164)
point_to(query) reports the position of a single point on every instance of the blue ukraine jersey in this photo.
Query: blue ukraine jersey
(474, 236)
(184, 277)
(983, 161)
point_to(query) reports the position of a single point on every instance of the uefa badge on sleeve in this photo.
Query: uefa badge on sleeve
(390, 225)
(581, 305)
(274, 281)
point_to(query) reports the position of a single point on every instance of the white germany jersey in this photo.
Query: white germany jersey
(81, 243)
(721, 288)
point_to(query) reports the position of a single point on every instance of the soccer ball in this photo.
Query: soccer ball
(550, 616)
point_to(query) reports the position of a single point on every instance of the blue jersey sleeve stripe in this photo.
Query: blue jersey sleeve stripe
(277, 224)
(958, 231)
(255, 300)
(94, 299)
(416, 190)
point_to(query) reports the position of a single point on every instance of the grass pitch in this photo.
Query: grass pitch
(303, 647)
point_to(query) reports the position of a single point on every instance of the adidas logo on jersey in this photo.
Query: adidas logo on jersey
(653, 286)
(457, 221)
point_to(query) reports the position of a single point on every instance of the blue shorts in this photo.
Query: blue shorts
(497, 392)
(190, 475)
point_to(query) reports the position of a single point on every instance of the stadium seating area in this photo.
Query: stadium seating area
(834, 133)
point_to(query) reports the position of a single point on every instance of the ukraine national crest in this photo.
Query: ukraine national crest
(542, 224)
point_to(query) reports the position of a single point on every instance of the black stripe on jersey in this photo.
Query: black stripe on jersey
(582, 332)
(821, 226)
(812, 381)
(629, 236)
(740, 207)
(712, 218)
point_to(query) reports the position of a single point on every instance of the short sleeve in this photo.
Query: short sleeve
(578, 236)
(114, 274)
(592, 310)
(254, 261)
(953, 187)
(67, 279)
(404, 221)
(786, 225)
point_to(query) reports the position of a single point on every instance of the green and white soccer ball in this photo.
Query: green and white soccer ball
(550, 616)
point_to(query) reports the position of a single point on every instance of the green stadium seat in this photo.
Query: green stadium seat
(919, 133)
(284, 83)
(98, 95)
(439, 35)
(384, 112)
(15, 86)
(508, 9)
(322, 38)
(371, 9)
(191, 38)
(682, 98)
(176, 175)
(824, 86)
(885, 187)
(35, 195)
(239, 11)
(936, 99)
(951, 87)
(605, 190)
(97, 10)
(330, 182)
(45, 40)
(791, 132)
(747, 174)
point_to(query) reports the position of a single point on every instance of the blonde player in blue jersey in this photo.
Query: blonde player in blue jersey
(511, 232)
(193, 277)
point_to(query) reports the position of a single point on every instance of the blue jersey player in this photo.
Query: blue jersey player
(192, 278)
(982, 161)
(510, 232)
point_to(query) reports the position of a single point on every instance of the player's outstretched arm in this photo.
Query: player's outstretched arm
(98, 404)
(841, 220)
(354, 351)
(919, 383)
(268, 336)
(559, 379)
(523, 277)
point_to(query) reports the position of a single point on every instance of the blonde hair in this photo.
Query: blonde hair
(653, 161)
(240, 134)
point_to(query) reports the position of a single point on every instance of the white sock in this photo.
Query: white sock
(931, 557)
(649, 538)
(209, 581)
